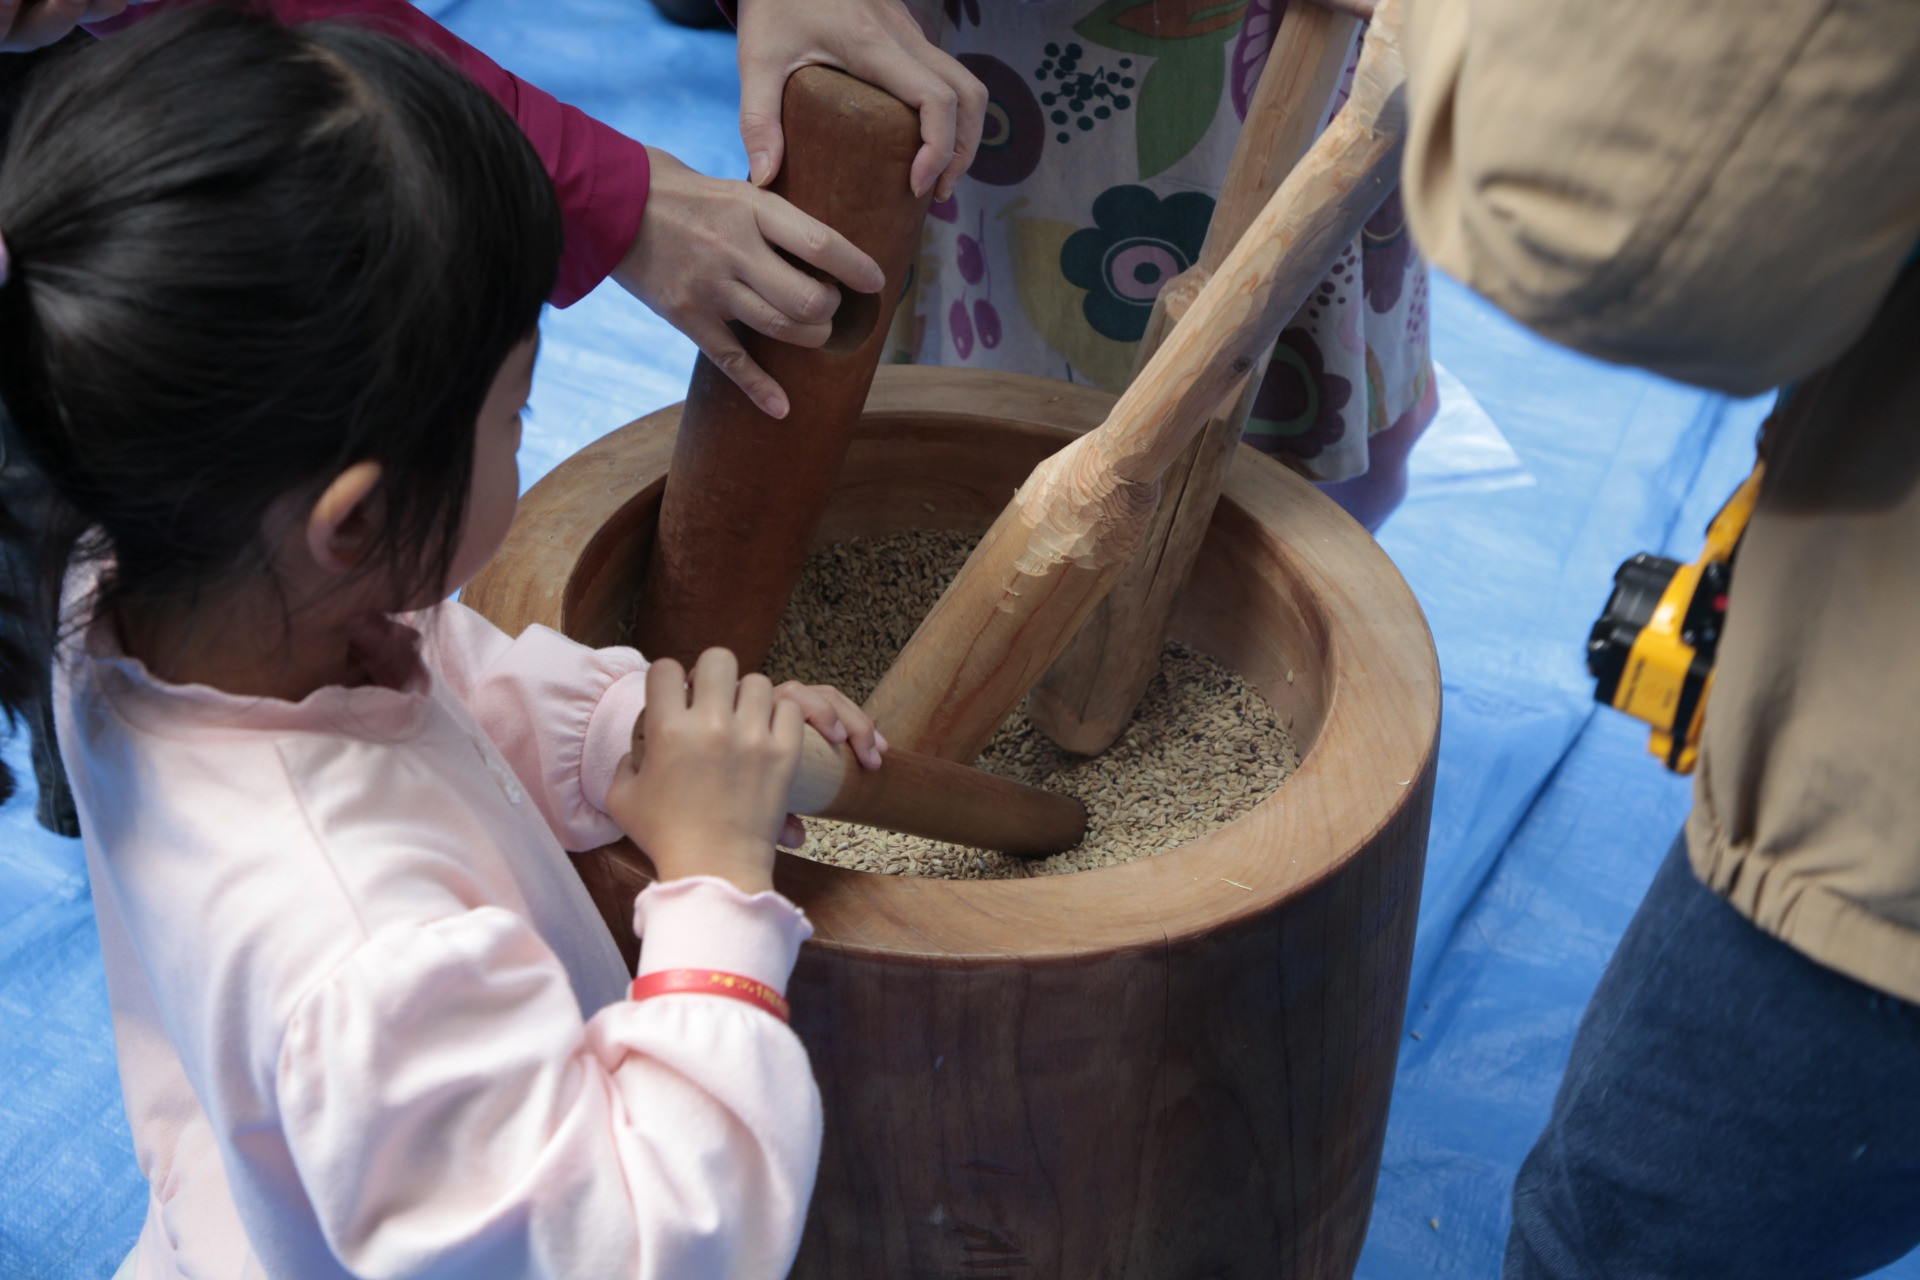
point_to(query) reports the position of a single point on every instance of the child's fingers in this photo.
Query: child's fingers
(753, 701)
(868, 745)
(793, 833)
(666, 690)
(716, 676)
(788, 726)
(838, 718)
(850, 712)
(816, 707)
(621, 790)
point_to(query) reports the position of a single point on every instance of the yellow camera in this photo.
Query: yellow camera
(1652, 650)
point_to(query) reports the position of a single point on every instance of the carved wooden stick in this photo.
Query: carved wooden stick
(920, 795)
(1089, 694)
(745, 493)
(1074, 525)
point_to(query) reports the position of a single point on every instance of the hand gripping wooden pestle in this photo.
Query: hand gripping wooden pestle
(745, 492)
(1089, 694)
(921, 795)
(1073, 527)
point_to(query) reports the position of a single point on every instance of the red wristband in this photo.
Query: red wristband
(710, 982)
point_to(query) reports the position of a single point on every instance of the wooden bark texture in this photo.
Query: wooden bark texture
(747, 489)
(1077, 522)
(1088, 696)
(1176, 1067)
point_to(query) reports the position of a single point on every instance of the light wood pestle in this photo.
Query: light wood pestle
(920, 795)
(1088, 696)
(1074, 526)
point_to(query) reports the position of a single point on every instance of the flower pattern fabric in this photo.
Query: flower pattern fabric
(1138, 242)
(1013, 131)
(1108, 131)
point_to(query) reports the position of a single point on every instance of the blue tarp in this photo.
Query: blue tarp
(1549, 816)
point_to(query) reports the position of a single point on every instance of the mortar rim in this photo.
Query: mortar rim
(921, 920)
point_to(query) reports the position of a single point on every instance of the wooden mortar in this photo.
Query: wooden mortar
(1176, 1068)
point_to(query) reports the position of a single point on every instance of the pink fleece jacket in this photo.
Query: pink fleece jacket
(368, 1021)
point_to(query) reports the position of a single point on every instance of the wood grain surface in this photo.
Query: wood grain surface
(1088, 696)
(1177, 1067)
(1077, 521)
(747, 489)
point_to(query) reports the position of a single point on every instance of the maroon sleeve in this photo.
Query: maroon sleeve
(600, 174)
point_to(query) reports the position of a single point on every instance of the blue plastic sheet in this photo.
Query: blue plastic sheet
(1549, 816)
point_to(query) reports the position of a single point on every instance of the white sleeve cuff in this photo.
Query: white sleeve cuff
(704, 922)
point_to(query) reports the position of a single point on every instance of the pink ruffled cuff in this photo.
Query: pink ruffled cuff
(610, 735)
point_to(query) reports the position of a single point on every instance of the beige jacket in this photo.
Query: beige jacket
(1725, 191)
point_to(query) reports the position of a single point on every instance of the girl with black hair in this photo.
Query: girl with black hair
(704, 253)
(265, 348)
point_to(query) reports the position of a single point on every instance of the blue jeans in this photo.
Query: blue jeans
(1731, 1109)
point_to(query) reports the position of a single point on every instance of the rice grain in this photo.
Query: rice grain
(1203, 748)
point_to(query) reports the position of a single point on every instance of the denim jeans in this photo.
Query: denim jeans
(1732, 1109)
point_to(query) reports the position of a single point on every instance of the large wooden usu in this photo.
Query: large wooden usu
(1172, 1069)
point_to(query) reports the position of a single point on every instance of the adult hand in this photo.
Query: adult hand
(34, 24)
(876, 40)
(706, 255)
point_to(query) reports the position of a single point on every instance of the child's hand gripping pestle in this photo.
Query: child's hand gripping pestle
(1089, 694)
(921, 795)
(745, 492)
(1074, 526)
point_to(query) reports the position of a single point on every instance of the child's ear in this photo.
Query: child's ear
(341, 525)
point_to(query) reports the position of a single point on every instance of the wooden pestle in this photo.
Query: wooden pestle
(1088, 696)
(746, 492)
(1073, 527)
(921, 795)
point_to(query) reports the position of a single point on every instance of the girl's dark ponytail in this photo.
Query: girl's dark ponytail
(21, 684)
(37, 531)
(244, 257)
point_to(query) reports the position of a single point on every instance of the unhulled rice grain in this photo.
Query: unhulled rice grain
(1203, 749)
